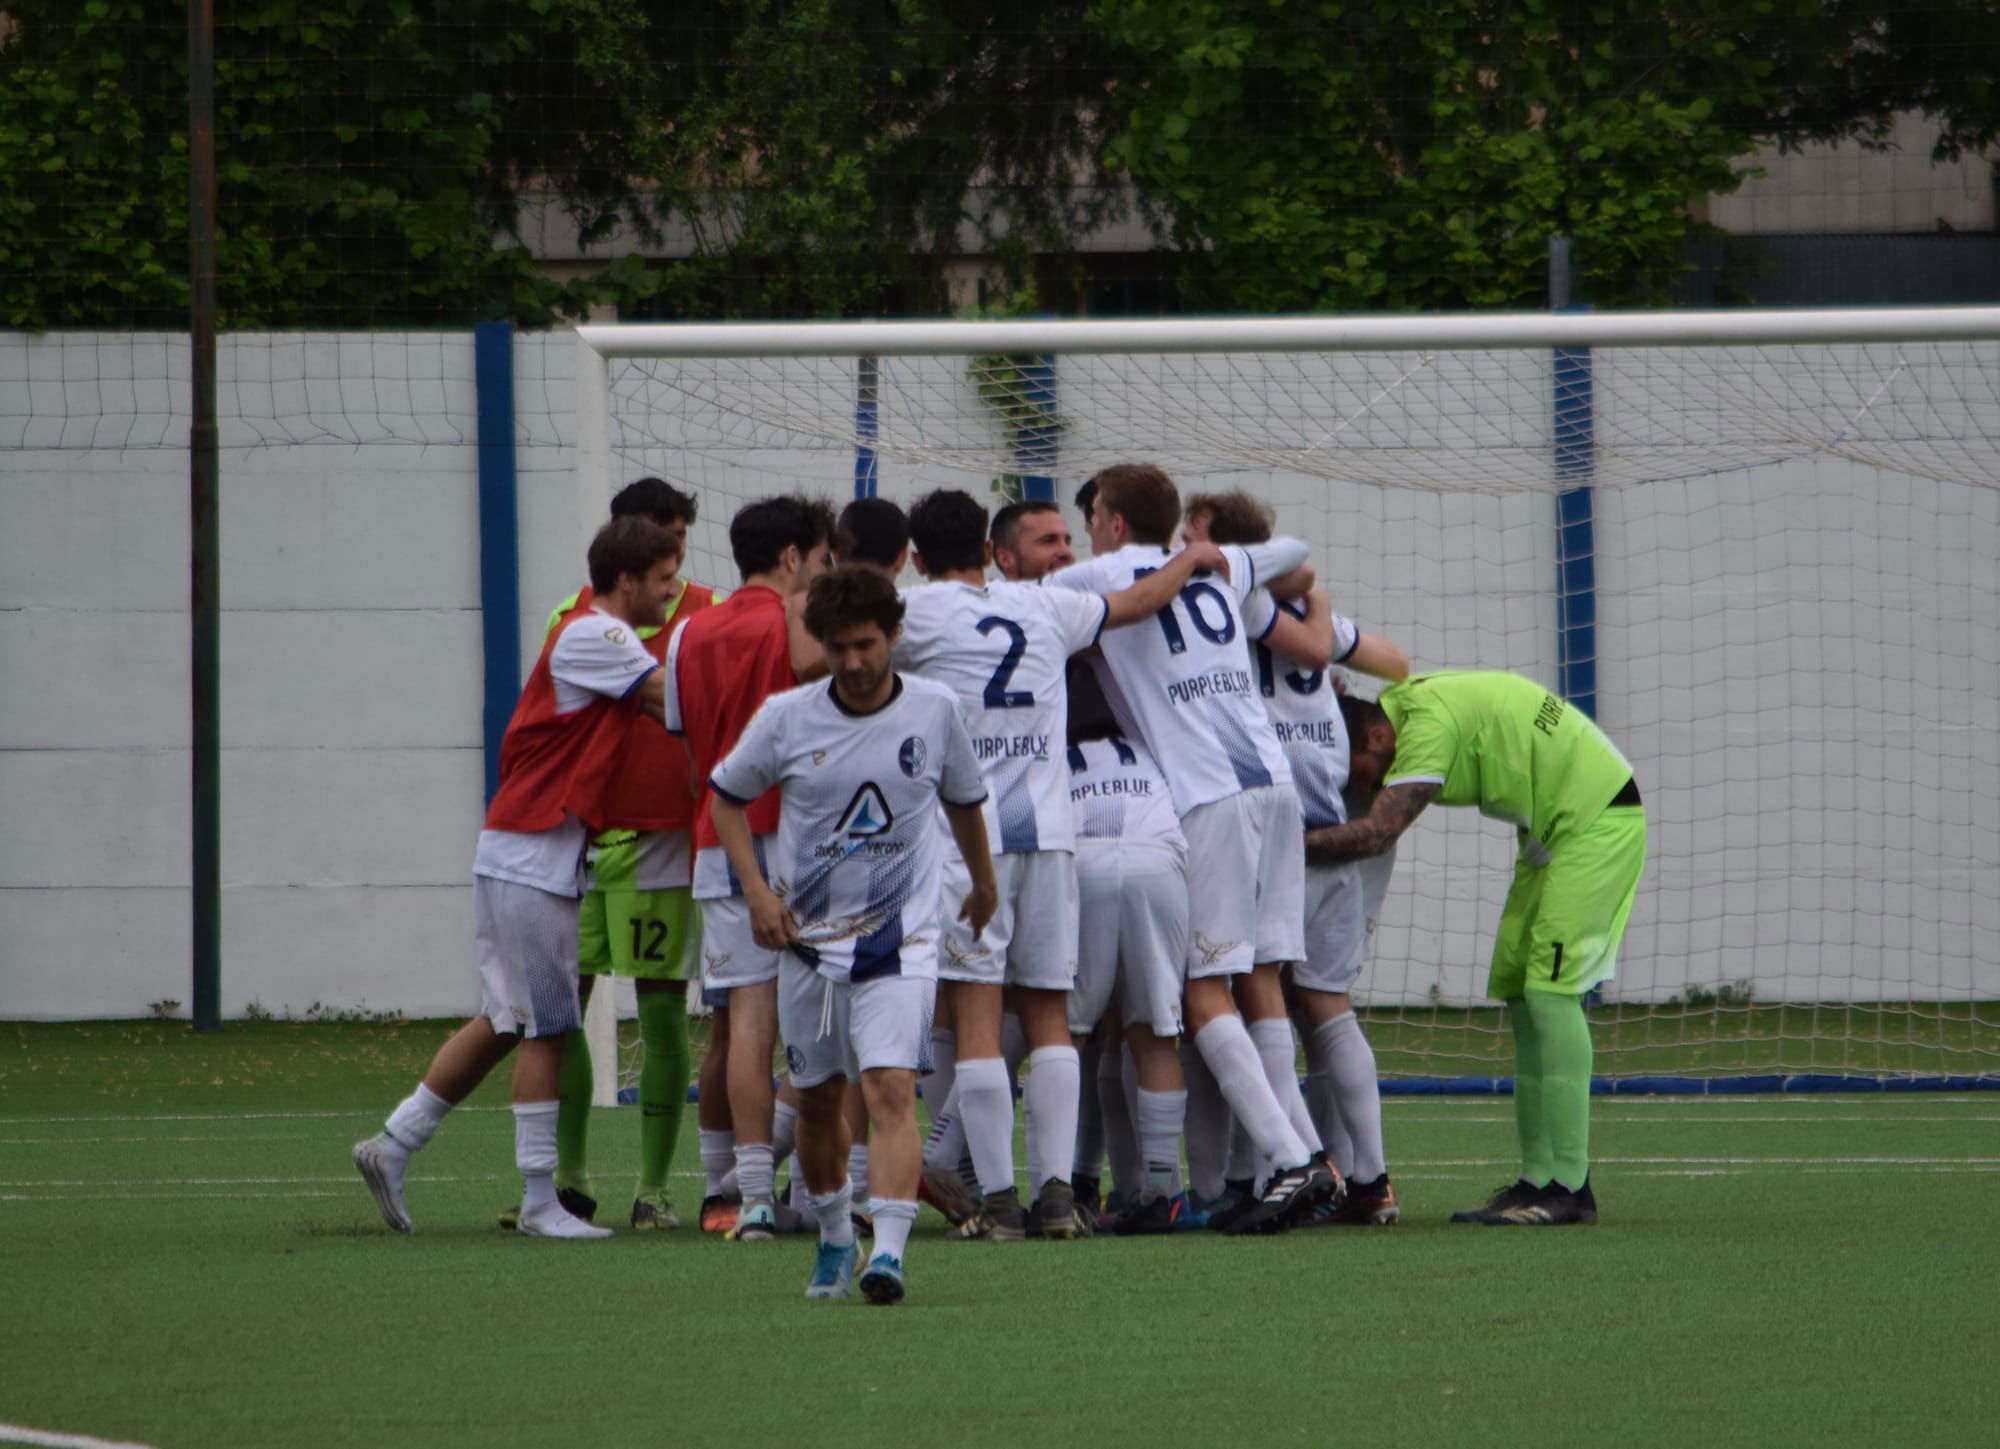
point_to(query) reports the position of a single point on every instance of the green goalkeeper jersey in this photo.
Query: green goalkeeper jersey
(1507, 745)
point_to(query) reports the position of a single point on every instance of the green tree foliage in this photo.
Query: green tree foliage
(1357, 154)
(367, 154)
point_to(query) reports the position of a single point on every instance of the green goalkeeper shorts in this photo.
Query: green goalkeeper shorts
(1560, 929)
(651, 935)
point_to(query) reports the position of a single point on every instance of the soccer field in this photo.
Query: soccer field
(190, 1260)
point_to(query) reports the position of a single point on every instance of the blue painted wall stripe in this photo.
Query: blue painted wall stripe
(1036, 447)
(867, 424)
(1576, 545)
(499, 533)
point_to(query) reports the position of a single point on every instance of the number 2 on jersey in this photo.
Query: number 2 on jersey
(998, 695)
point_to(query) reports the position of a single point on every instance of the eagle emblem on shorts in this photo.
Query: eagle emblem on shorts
(910, 758)
(1213, 951)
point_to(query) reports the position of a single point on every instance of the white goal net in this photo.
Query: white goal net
(1788, 560)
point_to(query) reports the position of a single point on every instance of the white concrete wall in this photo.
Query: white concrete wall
(1826, 187)
(1802, 659)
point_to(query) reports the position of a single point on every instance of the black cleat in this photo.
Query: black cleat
(1365, 1205)
(1289, 1198)
(1513, 1195)
(998, 1220)
(1057, 1215)
(1239, 1195)
(1161, 1214)
(1554, 1207)
(1089, 1200)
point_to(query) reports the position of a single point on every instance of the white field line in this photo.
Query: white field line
(1609, 1119)
(367, 1112)
(20, 1434)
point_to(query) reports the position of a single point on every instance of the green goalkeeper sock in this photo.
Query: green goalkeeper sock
(1536, 1164)
(1564, 1032)
(663, 1083)
(573, 1117)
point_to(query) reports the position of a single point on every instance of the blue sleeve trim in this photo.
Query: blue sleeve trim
(638, 680)
(1265, 632)
(1104, 613)
(966, 804)
(732, 799)
(1343, 658)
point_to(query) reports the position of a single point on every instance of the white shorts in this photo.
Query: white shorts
(730, 955)
(527, 958)
(1132, 934)
(1336, 928)
(840, 1029)
(1246, 881)
(1031, 940)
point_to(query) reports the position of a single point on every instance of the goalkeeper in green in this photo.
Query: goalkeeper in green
(1520, 754)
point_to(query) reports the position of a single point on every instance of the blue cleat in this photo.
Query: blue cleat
(883, 1282)
(833, 1270)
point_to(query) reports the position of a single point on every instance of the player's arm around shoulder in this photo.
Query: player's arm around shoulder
(1307, 639)
(1396, 807)
(1152, 592)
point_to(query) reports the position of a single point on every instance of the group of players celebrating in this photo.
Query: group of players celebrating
(1113, 821)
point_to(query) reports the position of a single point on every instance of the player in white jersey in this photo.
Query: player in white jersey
(574, 716)
(1002, 649)
(862, 765)
(1183, 685)
(1131, 870)
(1293, 646)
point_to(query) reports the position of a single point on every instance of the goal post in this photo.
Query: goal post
(1786, 591)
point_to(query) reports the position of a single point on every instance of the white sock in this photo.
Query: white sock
(1207, 1130)
(1050, 1101)
(535, 1152)
(798, 1195)
(1340, 1050)
(416, 1117)
(857, 1170)
(756, 1172)
(944, 1071)
(1278, 1050)
(1128, 1165)
(1232, 1056)
(784, 1130)
(1161, 1115)
(1324, 1105)
(946, 1142)
(718, 1158)
(1089, 1158)
(893, 1217)
(988, 1110)
(835, 1211)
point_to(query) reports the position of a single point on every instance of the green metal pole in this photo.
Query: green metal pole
(205, 601)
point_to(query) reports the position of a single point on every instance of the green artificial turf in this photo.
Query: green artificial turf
(189, 1260)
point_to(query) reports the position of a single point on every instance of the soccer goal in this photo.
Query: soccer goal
(1763, 547)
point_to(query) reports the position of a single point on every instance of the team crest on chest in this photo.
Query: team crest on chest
(910, 758)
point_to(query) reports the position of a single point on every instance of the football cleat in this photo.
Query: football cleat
(1366, 1205)
(940, 1187)
(1554, 1207)
(556, 1221)
(882, 1283)
(1291, 1197)
(576, 1204)
(718, 1213)
(651, 1212)
(1161, 1214)
(1089, 1199)
(1513, 1195)
(381, 1167)
(757, 1222)
(1237, 1198)
(998, 1219)
(833, 1270)
(1057, 1215)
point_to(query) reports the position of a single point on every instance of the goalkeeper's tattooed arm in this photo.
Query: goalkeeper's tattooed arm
(1375, 832)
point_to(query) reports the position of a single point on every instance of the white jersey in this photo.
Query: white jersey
(1305, 710)
(586, 662)
(858, 853)
(1002, 650)
(1181, 683)
(1118, 793)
